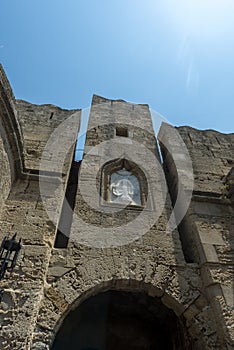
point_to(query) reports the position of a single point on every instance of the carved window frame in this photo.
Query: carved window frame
(114, 166)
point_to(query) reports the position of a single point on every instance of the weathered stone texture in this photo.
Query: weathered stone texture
(212, 154)
(38, 123)
(188, 270)
(5, 175)
(210, 218)
(10, 131)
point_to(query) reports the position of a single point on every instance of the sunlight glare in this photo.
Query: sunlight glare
(202, 18)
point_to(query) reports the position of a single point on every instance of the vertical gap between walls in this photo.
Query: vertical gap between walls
(65, 221)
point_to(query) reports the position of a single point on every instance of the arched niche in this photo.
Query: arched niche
(123, 183)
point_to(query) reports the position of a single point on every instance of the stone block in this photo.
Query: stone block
(171, 303)
(209, 253)
(211, 237)
(214, 291)
(201, 302)
(228, 292)
(191, 312)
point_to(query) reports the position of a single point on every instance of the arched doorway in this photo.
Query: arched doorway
(117, 320)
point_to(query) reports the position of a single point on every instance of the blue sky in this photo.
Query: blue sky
(175, 55)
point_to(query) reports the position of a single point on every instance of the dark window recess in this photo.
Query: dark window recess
(64, 228)
(120, 131)
(52, 114)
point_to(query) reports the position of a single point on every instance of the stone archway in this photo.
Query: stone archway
(10, 130)
(193, 320)
(123, 320)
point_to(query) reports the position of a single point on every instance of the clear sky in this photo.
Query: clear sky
(175, 55)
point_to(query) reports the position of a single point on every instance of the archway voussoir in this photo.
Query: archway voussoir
(173, 304)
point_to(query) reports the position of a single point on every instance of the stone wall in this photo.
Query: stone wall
(212, 154)
(153, 263)
(5, 175)
(188, 270)
(208, 226)
(10, 131)
(22, 209)
(38, 123)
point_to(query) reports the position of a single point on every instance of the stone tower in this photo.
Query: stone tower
(130, 248)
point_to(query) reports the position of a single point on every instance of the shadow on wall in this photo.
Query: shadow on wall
(116, 320)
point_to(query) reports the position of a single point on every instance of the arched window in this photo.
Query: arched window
(123, 183)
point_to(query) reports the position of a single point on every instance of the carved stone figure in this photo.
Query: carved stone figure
(124, 188)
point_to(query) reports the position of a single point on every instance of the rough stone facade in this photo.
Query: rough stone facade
(183, 276)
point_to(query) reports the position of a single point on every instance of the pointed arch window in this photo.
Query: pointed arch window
(123, 183)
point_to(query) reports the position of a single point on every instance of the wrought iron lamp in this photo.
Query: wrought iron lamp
(9, 252)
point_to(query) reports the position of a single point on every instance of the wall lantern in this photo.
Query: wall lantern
(9, 252)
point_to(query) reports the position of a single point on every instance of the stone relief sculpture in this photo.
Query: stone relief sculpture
(124, 188)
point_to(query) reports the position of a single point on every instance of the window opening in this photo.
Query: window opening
(121, 131)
